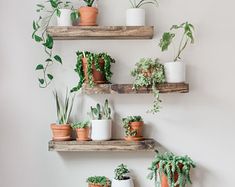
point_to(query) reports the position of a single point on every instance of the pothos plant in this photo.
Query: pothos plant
(149, 73)
(99, 180)
(186, 38)
(169, 164)
(92, 59)
(121, 172)
(126, 124)
(140, 3)
(46, 12)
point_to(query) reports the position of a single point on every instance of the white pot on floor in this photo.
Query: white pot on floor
(122, 183)
(65, 18)
(101, 130)
(175, 72)
(135, 17)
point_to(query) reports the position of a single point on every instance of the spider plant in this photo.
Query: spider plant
(140, 3)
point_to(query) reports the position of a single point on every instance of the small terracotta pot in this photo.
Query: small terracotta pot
(83, 134)
(96, 185)
(61, 132)
(88, 16)
(138, 126)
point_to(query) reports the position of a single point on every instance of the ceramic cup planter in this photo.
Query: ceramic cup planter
(61, 132)
(138, 127)
(175, 72)
(135, 17)
(88, 16)
(122, 183)
(101, 130)
(65, 18)
(83, 134)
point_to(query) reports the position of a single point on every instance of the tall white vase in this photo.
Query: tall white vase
(135, 17)
(65, 18)
(122, 183)
(101, 130)
(175, 72)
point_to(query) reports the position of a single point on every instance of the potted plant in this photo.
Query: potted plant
(175, 71)
(101, 122)
(98, 181)
(82, 130)
(88, 14)
(133, 126)
(135, 16)
(148, 73)
(62, 130)
(174, 171)
(93, 68)
(122, 179)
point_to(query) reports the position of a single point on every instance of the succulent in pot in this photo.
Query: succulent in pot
(176, 71)
(135, 16)
(82, 130)
(133, 126)
(62, 130)
(149, 73)
(174, 171)
(88, 14)
(122, 179)
(98, 181)
(101, 122)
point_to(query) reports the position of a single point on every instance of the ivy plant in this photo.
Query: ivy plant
(81, 125)
(140, 3)
(121, 172)
(126, 124)
(99, 180)
(170, 164)
(186, 38)
(100, 112)
(149, 73)
(89, 3)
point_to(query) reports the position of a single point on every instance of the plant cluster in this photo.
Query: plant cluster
(187, 37)
(126, 124)
(92, 59)
(100, 112)
(89, 3)
(149, 73)
(99, 180)
(140, 3)
(81, 125)
(170, 164)
(121, 172)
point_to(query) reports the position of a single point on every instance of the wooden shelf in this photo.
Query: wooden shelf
(101, 32)
(127, 89)
(112, 145)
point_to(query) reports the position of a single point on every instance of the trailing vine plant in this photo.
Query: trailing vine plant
(140, 3)
(149, 73)
(126, 124)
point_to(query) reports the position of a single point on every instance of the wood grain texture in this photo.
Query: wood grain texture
(101, 32)
(112, 145)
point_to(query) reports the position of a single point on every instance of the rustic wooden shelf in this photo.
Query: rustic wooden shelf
(112, 145)
(101, 32)
(127, 89)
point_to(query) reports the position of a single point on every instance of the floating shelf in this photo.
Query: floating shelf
(127, 89)
(101, 32)
(112, 145)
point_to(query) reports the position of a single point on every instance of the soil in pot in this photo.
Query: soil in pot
(61, 132)
(88, 16)
(138, 127)
(83, 134)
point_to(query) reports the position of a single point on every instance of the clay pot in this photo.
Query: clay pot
(138, 126)
(88, 16)
(83, 134)
(61, 132)
(98, 76)
(96, 185)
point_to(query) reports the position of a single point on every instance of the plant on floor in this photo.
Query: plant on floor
(140, 3)
(81, 125)
(187, 38)
(149, 73)
(89, 3)
(121, 172)
(99, 181)
(126, 124)
(101, 112)
(176, 169)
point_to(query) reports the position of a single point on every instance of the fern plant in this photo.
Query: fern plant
(99, 181)
(140, 3)
(100, 112)
(126, 124)
(121, 172)
(169, 164)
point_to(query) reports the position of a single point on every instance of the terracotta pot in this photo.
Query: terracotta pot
(138, 126)
(61, 132)
(98, 77)
(96, 185)
(83, 134)
(88, 16)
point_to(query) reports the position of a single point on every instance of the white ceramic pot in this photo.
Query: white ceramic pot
(122, 183)
(101, 130)
(135, 17)
(65, 18)
(175, 72)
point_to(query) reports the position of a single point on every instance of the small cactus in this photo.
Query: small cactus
(100, 113)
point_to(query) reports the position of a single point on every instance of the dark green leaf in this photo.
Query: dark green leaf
(74, 16)
(41, 81)
(37, 38)
(54, 3)
(50, 76)
(58, 59)
(39, 67)
(48, 60)
(58, 12)
(34, 25)
(40, 5)
(49, 42)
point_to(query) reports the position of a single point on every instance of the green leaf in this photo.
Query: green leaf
(40, 5)
(37, 38)
(39, 67)
(34, 25)
(58, 59)
(48, 60)
(58, 12)
(166, 40)
(41, 81)
(74, 16)
(50, 76)
(54, 3)
(49, 42)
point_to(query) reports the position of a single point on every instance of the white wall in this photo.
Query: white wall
(200, 124)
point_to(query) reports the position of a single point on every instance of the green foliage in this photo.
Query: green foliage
(92, 59)
(89, 3)
(81, 125)
(121, 172)
(187, 37)
(149, 73)
(169, 164)
(100, 112)
(64, 108)
(126, 124)
(141, 3)
(99, 180)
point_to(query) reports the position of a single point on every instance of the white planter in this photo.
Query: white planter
(101, 130)
(135, 17)
(65, 18)
(175, 72)
(122, 183)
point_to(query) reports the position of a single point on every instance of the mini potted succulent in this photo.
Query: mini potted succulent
(82, 130)
(88, 14)
(93, 68)
(135, 16)
(98, 181)
(148, 73)
(122, 179)
(174, 171)
(62, 130)
(175, 71)
(101, 122)
(133, 126)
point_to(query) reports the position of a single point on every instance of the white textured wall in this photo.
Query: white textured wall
(200, 124)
